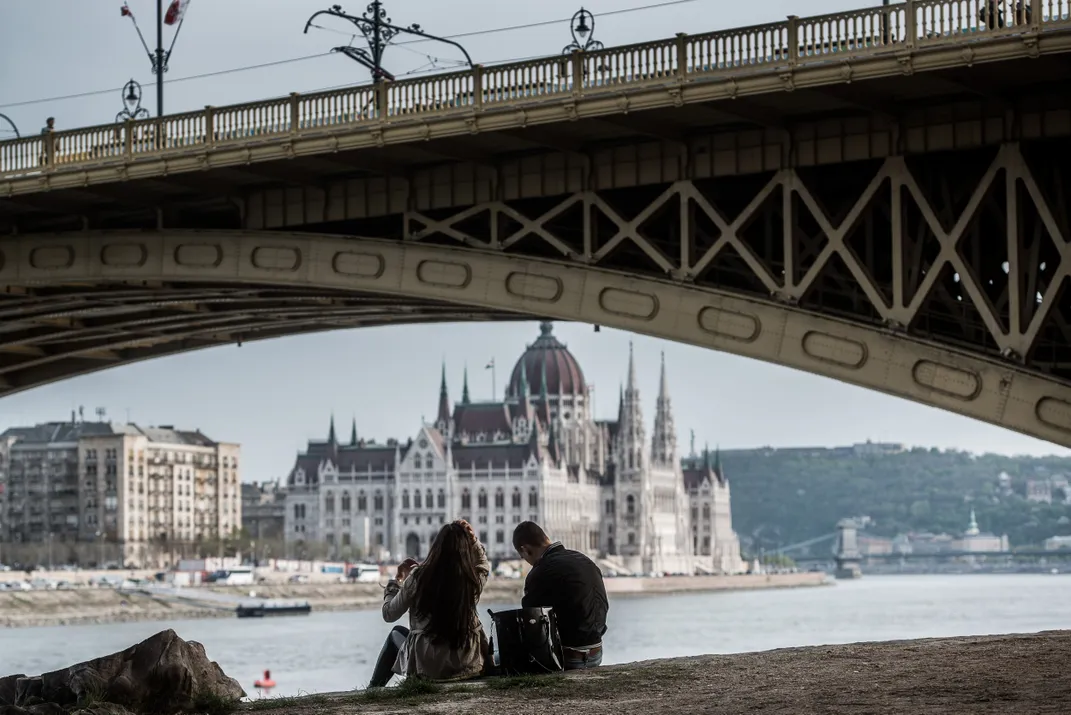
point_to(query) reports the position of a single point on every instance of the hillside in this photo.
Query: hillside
(784, 496)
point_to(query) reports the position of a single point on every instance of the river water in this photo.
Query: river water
(335, 651)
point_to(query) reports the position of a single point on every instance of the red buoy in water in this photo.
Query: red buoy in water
(265, 682)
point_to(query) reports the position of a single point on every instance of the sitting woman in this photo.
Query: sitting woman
(445, 640)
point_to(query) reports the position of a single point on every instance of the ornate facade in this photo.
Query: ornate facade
(599, 486)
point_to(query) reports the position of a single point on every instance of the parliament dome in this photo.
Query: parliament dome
(564, 376)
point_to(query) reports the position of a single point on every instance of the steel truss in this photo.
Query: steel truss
(966, 250)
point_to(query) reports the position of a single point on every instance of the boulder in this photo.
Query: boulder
(7, 689)
(161, 674)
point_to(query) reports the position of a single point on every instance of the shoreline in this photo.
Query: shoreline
(907, 677)
(34, 609)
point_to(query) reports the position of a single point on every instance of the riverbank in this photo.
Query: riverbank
(972, 676)
(105, 605)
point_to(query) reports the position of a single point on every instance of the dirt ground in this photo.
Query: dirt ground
(1002, 674)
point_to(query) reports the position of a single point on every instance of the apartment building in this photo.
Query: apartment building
(95, 492)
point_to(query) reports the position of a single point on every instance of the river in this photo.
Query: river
(335, 651)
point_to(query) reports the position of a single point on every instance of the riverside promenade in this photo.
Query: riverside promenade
(107, 605)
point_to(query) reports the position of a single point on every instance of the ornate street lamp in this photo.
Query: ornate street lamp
(13, 127)
(378, 31)
(132, 108)
(583, 28)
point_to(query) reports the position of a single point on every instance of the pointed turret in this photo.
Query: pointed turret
(554, 448)
(544, 399)
(332, 438)
(353, 433)
(664, 439)
(443, 417)
(465, 388)
(632, 442)
(718, 471)
(526, 405)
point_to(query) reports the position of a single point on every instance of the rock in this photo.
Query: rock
(161, 674)
(28, 690)
(7, 689)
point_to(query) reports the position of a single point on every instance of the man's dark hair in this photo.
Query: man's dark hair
(528, 533)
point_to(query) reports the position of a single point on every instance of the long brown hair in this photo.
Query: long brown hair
(448, 585)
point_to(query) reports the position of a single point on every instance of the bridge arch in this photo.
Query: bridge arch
(400, 282)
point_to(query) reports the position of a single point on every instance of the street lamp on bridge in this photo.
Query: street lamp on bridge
(132, 108)
(378, 32)
(13, 127)
(583, 28)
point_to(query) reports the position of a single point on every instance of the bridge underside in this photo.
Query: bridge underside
(910, 235)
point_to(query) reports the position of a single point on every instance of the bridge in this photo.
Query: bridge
(878, 196)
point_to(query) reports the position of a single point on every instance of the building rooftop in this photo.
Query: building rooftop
(60, 432)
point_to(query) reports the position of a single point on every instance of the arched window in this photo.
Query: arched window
(428, 503)
(631, 539)
(630, 505)
(417, 464)
(516, 499)
(466, 500)
(329, 503)
(377, 501)
(442, 499)
(405, 499)
(347, 501)
(706, 511)
(500, 499)
(362, 502)
(416, 499)
(482, 499)
(533, 498)
(610, 506)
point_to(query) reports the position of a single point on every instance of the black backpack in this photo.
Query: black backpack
(528, 642)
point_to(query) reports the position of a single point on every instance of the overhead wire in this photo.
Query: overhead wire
(402, 45)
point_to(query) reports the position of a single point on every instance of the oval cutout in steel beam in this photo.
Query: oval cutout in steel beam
(834, 349)
(534, 286)
(52, 258)
(286, 259)
(199, 255)
(444, 274)
(1055, 413)
(947, 379)
(628, 303)
(358, 265)
(124, 255)
(730, 324)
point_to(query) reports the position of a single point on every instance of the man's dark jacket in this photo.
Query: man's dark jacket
(571, 584)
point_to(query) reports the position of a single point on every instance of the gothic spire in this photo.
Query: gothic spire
(465, 388)
(717, 464)
(664, 439)
(331, 436)
(630, 427)
(353, 433)
(543, 385)
(443, 417)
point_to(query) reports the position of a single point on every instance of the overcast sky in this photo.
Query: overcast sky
(272, 397)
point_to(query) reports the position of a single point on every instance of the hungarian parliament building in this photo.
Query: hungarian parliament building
(598, 486)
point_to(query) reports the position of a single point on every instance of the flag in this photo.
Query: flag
(490, 365)
(175, 11)
(125, 11)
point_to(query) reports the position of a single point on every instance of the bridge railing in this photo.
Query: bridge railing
(797, 42)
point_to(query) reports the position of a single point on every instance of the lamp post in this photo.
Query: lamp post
(132, 108)
(176, 14)
(378, 32)
(13, 127)
(582, 27)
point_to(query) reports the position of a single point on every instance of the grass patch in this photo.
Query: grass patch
(410, 689)
(284, 702)
(525, 682)
(212, 704)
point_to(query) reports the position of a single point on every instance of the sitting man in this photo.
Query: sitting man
(571, 584)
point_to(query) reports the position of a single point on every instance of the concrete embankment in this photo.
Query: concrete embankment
(105, 605)
(950, 676)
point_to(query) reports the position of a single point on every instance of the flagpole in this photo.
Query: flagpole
(159, 58)
(494, 388)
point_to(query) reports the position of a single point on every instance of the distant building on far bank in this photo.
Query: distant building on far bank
(264, 511)
(1056, 543)
(100, 492)
(977, 542)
